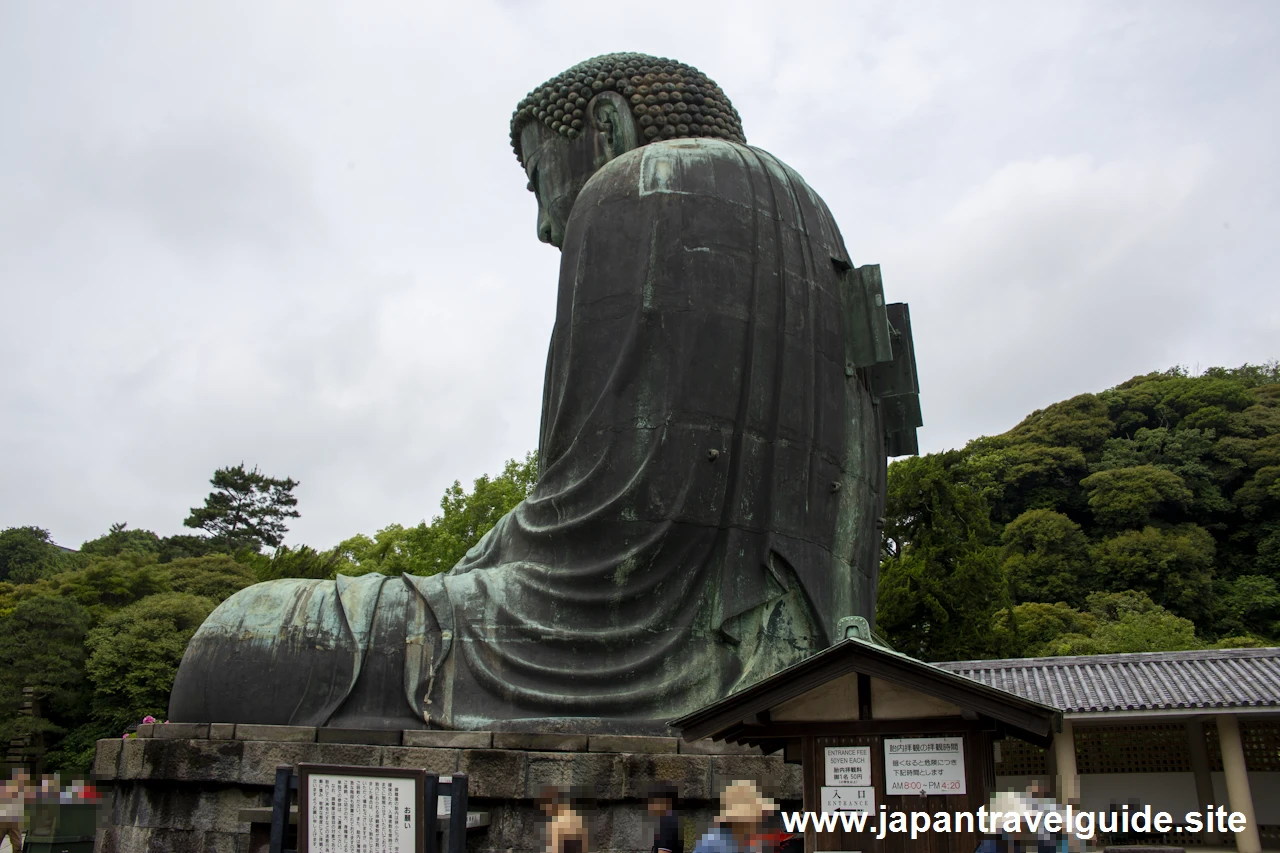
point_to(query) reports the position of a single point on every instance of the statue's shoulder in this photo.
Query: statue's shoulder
(712, 167)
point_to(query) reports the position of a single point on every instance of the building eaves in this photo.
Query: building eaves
(1145, 681)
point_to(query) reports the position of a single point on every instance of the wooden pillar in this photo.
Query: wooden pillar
(1240, 799)
(1199, 755)
(1064, 754)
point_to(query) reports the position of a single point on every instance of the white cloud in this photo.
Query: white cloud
(1055, 277)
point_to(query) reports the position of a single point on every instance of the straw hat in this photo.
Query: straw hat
(1008, 802)
(741, 802)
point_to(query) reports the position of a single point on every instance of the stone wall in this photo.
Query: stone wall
(180, 787)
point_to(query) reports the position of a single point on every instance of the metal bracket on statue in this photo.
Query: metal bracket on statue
(859, 628)
(869, 335)
(897, 386)
(854, 626)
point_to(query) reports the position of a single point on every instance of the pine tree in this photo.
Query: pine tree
(246, 509)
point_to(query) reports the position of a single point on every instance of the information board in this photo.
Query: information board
(848, 765)
(933, 765)
(373, 810)
(846, 799)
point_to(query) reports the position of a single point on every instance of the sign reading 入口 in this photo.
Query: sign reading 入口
(845, 799)
(373, 810)
(848, 765)
(933, 765)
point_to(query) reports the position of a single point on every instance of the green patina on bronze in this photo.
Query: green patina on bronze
(669, 100)
(720, 388)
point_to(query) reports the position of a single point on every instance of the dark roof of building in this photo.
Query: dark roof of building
(738, 717)
(1144, 681)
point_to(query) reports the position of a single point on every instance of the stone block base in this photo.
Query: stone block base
(183, 791)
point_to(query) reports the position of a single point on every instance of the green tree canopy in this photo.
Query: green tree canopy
(1125, 497)
(1046, 558)
(1248, 606)
(390, 551)
(1173, 566)
(27, 554)
(1188, 453)
(135, 652)
(941, 582)
(105, 584)
(42, 648)
(1166, 485)
(1026, 630)
(467, 516)
(119, 540)
(216, 577)
(300, 562)
(180, 547)
(1110, 623)
(246, 508)
(1126, 622)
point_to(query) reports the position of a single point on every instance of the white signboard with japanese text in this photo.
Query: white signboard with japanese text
(848, 765)
(373, 812)
(932, 765)
(846, 799)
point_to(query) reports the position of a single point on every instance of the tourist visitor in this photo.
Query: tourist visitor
(1026, 841)
(742, 814)
(12, 805)
(663, 806)
(566, 830)
(774, 837)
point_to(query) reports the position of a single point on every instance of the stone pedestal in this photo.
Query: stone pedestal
(181, 787)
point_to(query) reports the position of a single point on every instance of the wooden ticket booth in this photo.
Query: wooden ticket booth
(873, 728)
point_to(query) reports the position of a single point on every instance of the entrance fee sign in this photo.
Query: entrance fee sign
(846, 799)
(373, 810)
(932, 765)
(848, 765)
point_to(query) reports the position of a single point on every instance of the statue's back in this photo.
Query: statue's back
(712, 476)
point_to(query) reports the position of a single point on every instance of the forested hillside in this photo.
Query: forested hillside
(1145, 517)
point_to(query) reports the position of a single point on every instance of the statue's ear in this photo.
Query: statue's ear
(612, 119)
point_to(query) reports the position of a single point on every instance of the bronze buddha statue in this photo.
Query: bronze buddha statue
(721, 391)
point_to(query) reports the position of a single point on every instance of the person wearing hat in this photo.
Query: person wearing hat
(1025, 841)
(742, 814)
(662, 807)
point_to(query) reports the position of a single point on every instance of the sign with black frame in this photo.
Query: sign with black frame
(373, 809)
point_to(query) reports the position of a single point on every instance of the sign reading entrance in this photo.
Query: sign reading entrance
(375, 809)
(848, 765)
(845, 799)
(924, 765)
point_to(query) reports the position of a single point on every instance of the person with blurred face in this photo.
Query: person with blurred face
(566, 830)
(50, 786)
(12, 804)
(662, 807)
(742, 814)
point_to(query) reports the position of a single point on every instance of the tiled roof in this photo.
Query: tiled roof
(1145, 681)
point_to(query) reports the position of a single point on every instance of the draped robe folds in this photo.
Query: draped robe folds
(711, 475)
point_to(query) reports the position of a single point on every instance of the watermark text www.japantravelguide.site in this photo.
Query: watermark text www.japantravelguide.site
(1083, 824)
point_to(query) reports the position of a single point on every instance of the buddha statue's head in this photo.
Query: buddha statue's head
(565, 130)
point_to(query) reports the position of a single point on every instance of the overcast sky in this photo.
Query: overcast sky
(294, 233)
